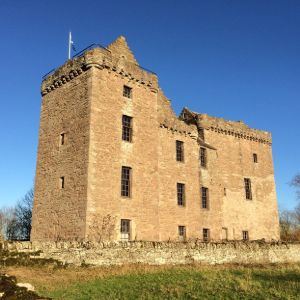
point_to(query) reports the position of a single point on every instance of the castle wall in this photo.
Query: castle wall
(108, 153)
(84, 100)
(229, 164)
(59, 213)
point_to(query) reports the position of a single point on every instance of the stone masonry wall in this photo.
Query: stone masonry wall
(84, 99)
(159, 253)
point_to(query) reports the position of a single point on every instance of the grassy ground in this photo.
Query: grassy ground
(166, 282)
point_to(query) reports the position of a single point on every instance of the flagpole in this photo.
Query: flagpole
(70, 42)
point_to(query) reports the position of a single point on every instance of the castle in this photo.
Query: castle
(115, 162)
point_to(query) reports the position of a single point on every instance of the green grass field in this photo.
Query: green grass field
(273, 282)
(161, 282)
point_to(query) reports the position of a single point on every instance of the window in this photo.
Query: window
(62, 182)
(62, 139)
(125, 230)
(127, 91)
(180, 194)
(203, 157)
(245, 235)
(201, 133)
(248, 188)
(225, 193)
(125, 182)
(126, 128)
(204, 197)
(206, 235)
(255, 158)
(182, 233)
(179, 151)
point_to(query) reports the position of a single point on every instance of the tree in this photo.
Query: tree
(19, 223)
(102, 229)
(290, 220)
(289, 226)
(296, 183)
(7, 215)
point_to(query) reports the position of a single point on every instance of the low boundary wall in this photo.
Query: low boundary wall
(158, 253)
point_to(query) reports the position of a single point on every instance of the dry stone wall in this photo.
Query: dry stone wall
(160, 253)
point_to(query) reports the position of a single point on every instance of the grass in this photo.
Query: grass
(164, 282)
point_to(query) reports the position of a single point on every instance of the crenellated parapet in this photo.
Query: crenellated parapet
(237, 129)
(112, 58)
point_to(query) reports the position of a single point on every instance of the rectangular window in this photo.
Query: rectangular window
(125, 230)
(206, 235)
(255, 158)
(127, 91)
(201, 133)
(126, 128)
(180, 194)
(203, 157)
(181, 233)
(204, 197)
(62, 182)
(179, 151)
(125, 182)
(245, 235)
(62, 139)
(248, 191)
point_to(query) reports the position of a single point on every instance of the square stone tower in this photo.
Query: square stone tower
(115, 163)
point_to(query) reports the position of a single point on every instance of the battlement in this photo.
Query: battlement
(117, 57)
(235, 128)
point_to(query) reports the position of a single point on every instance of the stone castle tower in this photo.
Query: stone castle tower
(114, 161)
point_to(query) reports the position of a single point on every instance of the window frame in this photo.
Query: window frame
(127, 91)
(204, 197)
(127, 128)
(182, 232)
(126, 191)
(205, 234)
(125, 224)
(180, 187)
(248, 189)
(203, 157)
(179, 151)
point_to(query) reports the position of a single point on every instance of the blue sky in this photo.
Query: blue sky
(234, 59)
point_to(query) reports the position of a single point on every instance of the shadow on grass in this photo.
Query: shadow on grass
(284, 277)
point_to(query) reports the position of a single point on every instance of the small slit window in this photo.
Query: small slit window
(245, 234)
(62, 139)
(62, 182)
(255, 160)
